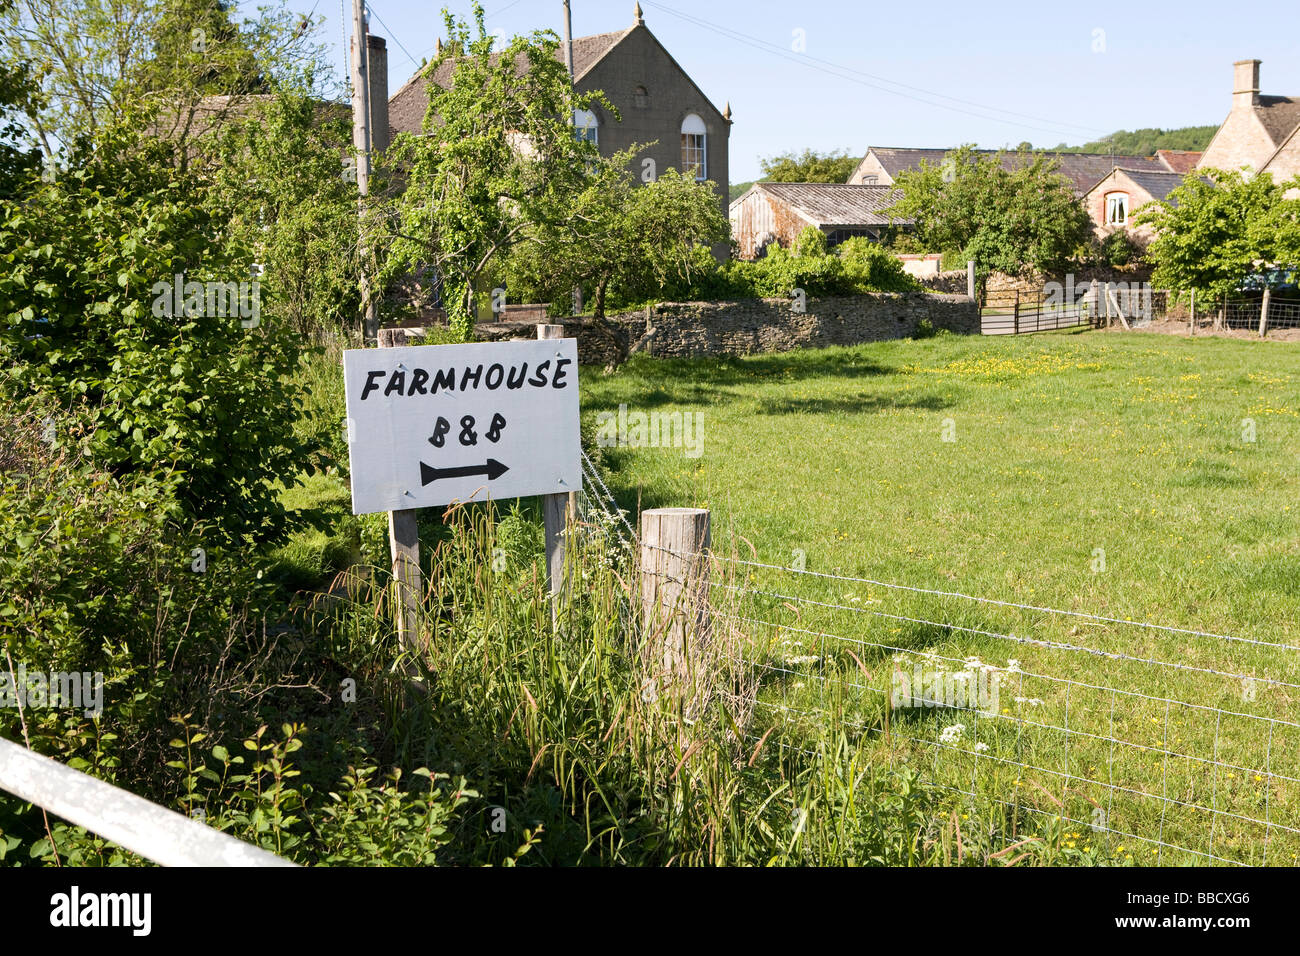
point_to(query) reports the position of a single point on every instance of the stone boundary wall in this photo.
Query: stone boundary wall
(693, 329)
(952, 282)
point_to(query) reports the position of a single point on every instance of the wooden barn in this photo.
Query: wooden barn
(777, 212)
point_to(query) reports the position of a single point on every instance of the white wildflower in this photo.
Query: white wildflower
(953, 734)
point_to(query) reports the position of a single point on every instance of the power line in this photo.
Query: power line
(432, 48)
(370, 6)
(874, 82)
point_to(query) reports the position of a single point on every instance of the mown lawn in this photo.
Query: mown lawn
(1142, 477)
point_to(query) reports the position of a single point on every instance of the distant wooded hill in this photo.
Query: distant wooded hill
(1144, 142)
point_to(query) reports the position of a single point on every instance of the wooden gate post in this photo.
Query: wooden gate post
(404, 546)
(556, 510)
(1016, 327)
(1191, 324)
(1263, 315)
(675, 589)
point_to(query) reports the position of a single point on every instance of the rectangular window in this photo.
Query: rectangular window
(1117, 209)
(694, 155)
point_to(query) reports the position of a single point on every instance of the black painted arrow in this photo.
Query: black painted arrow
(493, 469)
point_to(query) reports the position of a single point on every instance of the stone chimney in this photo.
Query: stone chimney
(1245, 84)
(377, 68)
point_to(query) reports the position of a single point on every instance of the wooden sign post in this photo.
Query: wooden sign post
(557, 510)
(404, 547)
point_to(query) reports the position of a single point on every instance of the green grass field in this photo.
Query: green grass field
(1131, 476)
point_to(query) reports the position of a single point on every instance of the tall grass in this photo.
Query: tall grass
(577, 762)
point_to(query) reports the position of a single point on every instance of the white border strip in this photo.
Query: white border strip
(144, 828)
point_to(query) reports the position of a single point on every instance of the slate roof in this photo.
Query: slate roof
(836, 204)
(1280, 116)
(1158, 184)
(1083, 170)
(406, 107)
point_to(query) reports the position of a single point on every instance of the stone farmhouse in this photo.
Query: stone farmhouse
(1260, 133)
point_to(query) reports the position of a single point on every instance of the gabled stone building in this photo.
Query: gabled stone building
(1113, 203)
(656, 98)
(1260, 131)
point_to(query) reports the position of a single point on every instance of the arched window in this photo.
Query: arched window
(1116, 209)
(585, 126)
(695, 147)
(640, 98)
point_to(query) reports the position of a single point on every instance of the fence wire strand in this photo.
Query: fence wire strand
(1250, 806)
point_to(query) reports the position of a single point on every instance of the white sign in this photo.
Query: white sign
(433, 424)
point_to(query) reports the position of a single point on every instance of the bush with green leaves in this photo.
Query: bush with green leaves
(88, 268)
(856, 266)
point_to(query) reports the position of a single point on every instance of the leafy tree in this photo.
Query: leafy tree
(294, 204)
(18, 87)
(638, 239)
(809, 167)
(496, 156)
(1212, 234)
(1278, 229)
(180, 68)
(1014, 221)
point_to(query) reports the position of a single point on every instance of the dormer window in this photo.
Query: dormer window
(695, 147)
(1117, 209)
(640, 98)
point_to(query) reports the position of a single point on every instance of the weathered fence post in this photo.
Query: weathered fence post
(404, 546)
(675, 589)
(1263, 315)
(555, 510)
(970, 279)
(1191, 323)
(1016, 327)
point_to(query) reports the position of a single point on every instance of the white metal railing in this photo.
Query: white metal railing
(146, 829)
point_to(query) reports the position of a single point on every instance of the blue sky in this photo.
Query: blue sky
(933, 73)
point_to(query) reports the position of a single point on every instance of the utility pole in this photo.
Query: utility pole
(361, 143)
(573, 118)
(568, 39)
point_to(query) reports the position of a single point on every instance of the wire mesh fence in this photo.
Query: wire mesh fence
(1170, 745)
(1212, 314)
